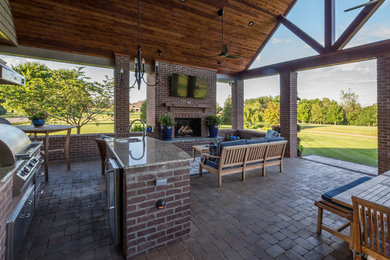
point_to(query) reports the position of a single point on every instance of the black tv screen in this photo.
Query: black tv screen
(188, 86)
(197, 87)
(179, 85)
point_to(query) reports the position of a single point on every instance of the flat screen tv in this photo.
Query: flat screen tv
(188, 86)
(197, 87)
(179, 85)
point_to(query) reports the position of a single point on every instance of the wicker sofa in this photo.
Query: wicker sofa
(239, 156)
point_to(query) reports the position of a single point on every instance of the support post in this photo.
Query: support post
(121, 95)
(288, 111)
(238, 104)
(383, 99)
(329, 23)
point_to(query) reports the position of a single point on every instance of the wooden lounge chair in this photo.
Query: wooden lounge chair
(371, 229)
(327, 204)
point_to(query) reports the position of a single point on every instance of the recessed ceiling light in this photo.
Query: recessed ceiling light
(251, 23)
(183, 1)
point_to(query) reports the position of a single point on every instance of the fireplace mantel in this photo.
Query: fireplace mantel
(170, 105)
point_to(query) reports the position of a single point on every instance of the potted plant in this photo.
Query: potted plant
(149, 128)
(166, 122)
(300, 149)
(212, 121)
(37, 117)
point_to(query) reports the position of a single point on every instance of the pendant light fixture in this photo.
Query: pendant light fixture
(139, 62)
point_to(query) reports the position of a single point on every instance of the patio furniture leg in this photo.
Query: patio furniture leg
(243, 175)
(319, 224)
(281, 166)
(263, 171)
(219, 180)
(200, 170)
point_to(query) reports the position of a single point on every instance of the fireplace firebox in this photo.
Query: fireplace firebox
(185, 127)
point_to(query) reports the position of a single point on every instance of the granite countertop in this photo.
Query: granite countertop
(134, 152)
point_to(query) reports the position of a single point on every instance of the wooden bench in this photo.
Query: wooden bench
(241, 158)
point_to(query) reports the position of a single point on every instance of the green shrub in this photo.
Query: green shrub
(137, 128)
(166, 120)
(212, 120)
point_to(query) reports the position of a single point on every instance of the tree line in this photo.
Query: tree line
(265, 111)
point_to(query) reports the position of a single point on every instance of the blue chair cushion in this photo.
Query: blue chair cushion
(275, 139)
(257, 141)
(212, 163)
(328, 196)
(229, 143)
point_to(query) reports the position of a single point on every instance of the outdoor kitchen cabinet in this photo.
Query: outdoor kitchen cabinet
(151, 170)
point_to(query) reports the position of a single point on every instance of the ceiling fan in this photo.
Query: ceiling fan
(224, 49)
(362, 5)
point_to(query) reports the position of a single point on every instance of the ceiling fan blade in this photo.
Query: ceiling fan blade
(233, 56)
(362, 5)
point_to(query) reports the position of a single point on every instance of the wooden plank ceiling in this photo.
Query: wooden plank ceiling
(187, 33)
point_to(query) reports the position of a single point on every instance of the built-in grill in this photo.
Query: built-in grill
(23, 158)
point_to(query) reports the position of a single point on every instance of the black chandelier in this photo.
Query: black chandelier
(139, 62)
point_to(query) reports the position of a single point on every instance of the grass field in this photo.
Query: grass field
(341, 142)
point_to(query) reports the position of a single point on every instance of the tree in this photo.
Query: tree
(143, 111)
(335, 114)
(304, 111)
(226, 117)
(368, 116)
(271, 114)
(349, 102)
(63, 94)
(317, 113)
(218, 109)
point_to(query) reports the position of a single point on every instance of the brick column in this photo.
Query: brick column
(121, 95)
(238, 104)
(288, 111)
(383, 96)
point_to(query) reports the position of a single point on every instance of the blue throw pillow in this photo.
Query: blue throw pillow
(271, 134)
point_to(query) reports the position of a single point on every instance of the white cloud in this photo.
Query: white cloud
(276, 40)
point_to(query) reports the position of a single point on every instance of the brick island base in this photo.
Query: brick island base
(145, 226)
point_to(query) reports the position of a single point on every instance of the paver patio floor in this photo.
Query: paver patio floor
(261, 218)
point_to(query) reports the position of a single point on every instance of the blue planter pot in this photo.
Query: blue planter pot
(38, 122)
(213, 130)
(166, 133)
(149, 129)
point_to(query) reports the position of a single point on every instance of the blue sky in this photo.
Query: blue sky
(284, 46)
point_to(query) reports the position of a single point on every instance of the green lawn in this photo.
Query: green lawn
(346, 129)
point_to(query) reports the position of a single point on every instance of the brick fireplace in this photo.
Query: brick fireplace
(160, 102)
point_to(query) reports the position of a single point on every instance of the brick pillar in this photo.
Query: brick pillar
(288, 111)
(121, 95)
(383, 99)
(238, 104)
(151, 105)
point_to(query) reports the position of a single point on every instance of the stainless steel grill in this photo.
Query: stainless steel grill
(23, 158)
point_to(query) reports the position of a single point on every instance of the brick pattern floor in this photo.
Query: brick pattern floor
(271, 217)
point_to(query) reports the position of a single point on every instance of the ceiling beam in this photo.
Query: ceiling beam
(301, 34)
(356, 24)
(329, 29)
(359, 53)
